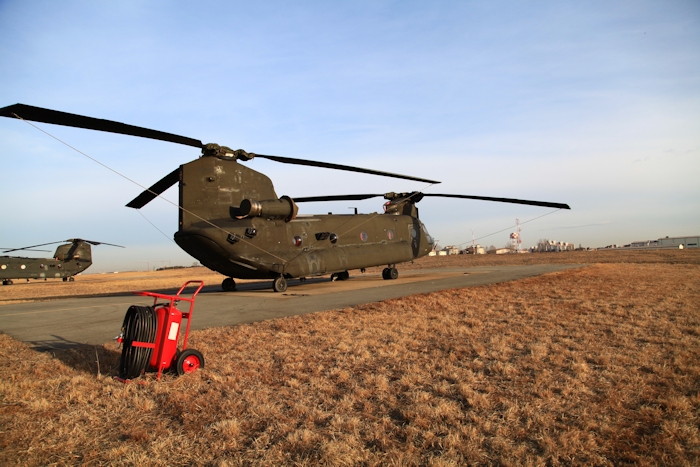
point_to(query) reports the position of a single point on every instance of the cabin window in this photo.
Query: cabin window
(333, 238)
(390, 234)
(23, 267)
(4, 266)
(363, 236)
(297, 240)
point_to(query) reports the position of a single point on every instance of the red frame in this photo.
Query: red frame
(168, 308)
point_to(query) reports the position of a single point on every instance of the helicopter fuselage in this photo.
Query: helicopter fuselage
(256, 248)
(232, 221)
(68, 260)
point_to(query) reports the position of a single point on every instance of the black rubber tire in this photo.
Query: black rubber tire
(385, 274)
(343, 276)
(393, 273)
(279, 284)
(189, 361)
(228, 285)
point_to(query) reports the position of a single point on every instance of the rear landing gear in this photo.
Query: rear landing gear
(279, 284)
(7, 282)
(340, 276)
(228, 285)
(390, 273)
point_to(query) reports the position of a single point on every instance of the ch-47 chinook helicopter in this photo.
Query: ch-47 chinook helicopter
(233, 222)
(71, 258)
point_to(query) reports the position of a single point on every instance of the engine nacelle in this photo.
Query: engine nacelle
(283, 208)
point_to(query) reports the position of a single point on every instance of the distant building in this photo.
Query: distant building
(665, 243)
(677, 242)
(475, 250)
(553, 245)
(452, 250)
(502, 251)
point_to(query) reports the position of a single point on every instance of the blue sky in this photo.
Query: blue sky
(594, 104)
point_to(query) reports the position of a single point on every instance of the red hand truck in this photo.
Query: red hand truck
(150, 336)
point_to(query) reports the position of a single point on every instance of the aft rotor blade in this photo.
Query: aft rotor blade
(335, 198)
(159, 187)
(92, 242)
(33, 246)
(23, 249)
(504, 200)
(328, 165)
(55, 117)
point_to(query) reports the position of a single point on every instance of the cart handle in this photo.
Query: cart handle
(201, 284)
(176, 297)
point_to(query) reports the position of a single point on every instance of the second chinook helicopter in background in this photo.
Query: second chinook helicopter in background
(233, 222)
(70, 259)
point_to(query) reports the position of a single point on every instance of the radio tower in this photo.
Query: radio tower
(515, 239)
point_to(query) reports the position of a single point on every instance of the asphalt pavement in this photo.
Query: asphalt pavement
(78, 321)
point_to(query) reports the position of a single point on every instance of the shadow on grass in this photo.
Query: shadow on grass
(85, 358)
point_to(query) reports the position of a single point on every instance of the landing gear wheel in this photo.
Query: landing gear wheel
(228, 285)
(65, 279)
(390, 274)
(343, 276)
(279, 284)
(6, 282)
(71, 279)
(189, 361)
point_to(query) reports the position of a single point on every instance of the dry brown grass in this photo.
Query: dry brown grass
(593, 366)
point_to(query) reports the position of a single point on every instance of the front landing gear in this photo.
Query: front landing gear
(279, 284)
(229, 285)
(390, 273)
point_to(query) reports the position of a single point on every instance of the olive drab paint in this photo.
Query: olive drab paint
(70, 259)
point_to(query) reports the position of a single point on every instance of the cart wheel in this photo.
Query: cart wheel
(189, 361)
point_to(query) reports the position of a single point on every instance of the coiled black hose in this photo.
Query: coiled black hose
(140, 325)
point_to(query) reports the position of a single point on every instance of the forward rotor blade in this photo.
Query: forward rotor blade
(335, 198)
(55, 117)
(328, 165)
(23, 249)
(159, 187)
(504, 200)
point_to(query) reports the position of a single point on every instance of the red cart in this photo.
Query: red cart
(150, 336)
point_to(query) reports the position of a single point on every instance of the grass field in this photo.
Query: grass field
(591, 366)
